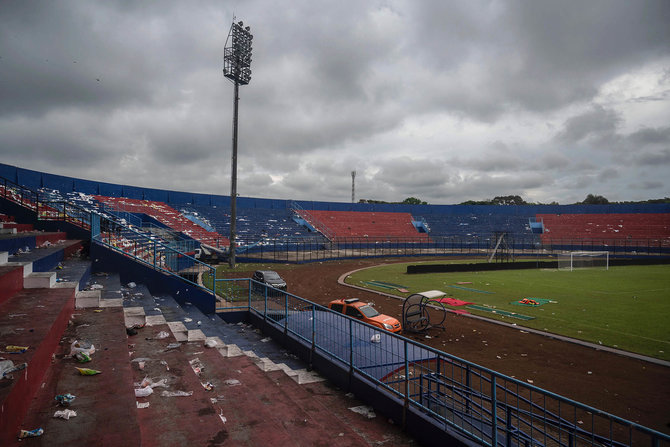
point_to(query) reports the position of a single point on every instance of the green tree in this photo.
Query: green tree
(413, 201)
(508, 200)
(595, 200)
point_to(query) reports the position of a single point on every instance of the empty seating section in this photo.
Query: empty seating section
(252, 223)
(477, 225)
(638, 226)
(167, 216)
(370, 225)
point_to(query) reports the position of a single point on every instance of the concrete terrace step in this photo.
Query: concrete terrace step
(179, 411)
(104, 403)
(36, 319)
(262, 408)
(237, 339)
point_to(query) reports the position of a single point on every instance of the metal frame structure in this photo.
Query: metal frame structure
(237, 68)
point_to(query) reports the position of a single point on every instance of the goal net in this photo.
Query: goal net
(584, 259)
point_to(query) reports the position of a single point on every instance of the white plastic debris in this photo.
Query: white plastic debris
(65, 414)
(162, 334)
(142, 404)
(131, 285)
(232, 382)
(365, 410)
(211, 343)
(176, 393)
(81, 346)
(144, 392)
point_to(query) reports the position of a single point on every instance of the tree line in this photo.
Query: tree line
(591, 199)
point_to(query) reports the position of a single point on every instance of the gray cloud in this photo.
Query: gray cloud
(446, 101)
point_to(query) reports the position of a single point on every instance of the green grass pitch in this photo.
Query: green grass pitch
(623, 307)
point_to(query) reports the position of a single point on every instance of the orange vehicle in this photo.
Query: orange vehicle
(353, 307)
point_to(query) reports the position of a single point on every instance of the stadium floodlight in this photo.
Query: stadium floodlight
(237, 68)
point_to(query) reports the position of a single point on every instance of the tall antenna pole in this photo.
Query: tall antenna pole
(353, 186)
(237, 68)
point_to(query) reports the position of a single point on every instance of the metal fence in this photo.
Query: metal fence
(308, 249)
(485, 406)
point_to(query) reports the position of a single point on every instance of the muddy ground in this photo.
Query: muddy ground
(629, 388)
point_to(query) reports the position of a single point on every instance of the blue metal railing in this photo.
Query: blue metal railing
(487, 407)
(150, 250)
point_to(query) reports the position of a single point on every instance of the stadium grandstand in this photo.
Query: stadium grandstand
(110, 276)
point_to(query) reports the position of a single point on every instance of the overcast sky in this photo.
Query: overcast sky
(445, 101)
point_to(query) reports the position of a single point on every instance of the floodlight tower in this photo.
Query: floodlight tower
(237, 68)
(353, 186)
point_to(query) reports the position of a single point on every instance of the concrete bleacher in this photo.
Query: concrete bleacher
(252, 223)
(477, 225)
(38, 287)
(166, 215)
(624, 226)
(370, 225)
(215, 383)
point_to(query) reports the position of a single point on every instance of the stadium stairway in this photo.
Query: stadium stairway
(37, 297)
(169, 375)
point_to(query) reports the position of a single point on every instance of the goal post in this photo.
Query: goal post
(584, 259)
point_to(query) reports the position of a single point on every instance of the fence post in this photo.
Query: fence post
(351, 351)
(285, 313)
(311, 352)
(405, 406)
(494, 412)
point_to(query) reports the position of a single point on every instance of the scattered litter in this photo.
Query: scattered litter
(529, 380)
(211, 343)
(31, 433)
(172, 346)
(376, 338)
(81, 346)
(82, 357)
(140, 359)
(365, 410)
(196, 365)
(428, 336)
(589, 372)
(232, 382)
(188, 320)
(147, 382)
(7, 367)
(131, 331)
(97, 311)
(142, 404)
(164, 363)
(162, 334)
(65, 414)
(208, 386)
(12, 349)
(266, 339)
(64, 399)
(143, 392)
(176, 393)
(131, 285)
(88, 372)
(97, 287)
(223, 418)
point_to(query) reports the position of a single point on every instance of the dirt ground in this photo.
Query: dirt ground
(629, 388)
